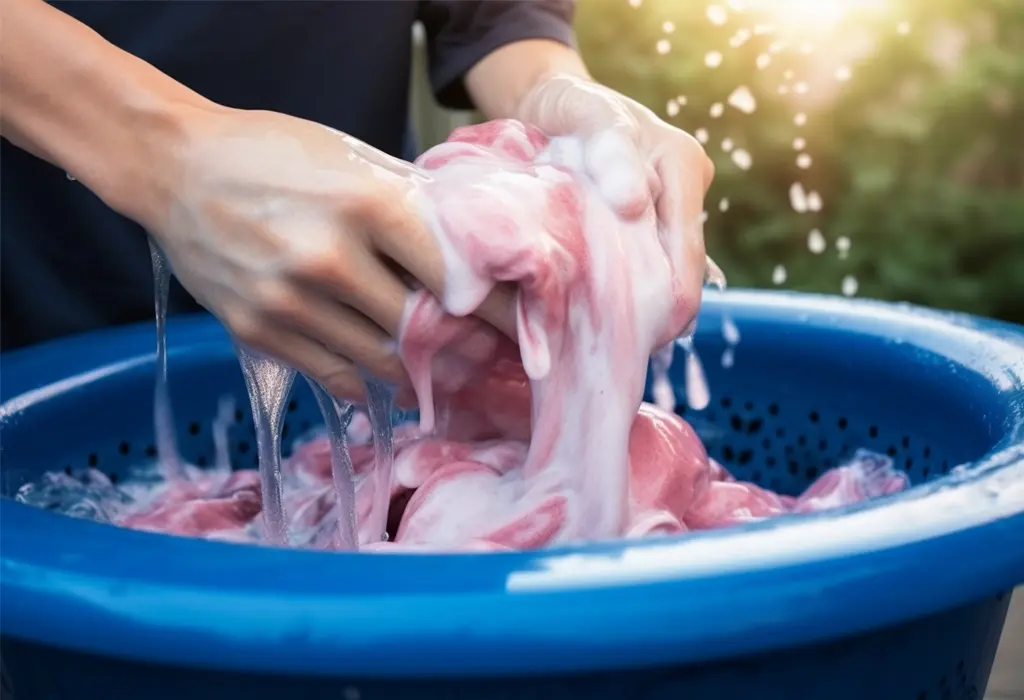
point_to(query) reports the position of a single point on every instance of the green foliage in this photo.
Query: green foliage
(918, 157)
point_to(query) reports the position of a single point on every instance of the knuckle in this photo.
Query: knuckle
(279, 301)
(245, 326)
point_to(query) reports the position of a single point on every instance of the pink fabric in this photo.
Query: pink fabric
(539, 442)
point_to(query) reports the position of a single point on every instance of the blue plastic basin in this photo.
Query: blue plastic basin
(899, 599)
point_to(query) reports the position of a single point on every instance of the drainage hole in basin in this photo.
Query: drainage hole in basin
(124, 448)
(93, 460)
(193, 429)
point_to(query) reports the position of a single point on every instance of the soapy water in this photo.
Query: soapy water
(516, 447)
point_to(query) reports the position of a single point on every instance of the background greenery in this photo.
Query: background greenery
(918, 157)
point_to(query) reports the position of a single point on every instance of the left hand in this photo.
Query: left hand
(633, 147)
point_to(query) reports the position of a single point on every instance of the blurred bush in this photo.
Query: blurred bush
(914, 128)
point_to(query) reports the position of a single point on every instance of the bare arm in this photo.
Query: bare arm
(75, 100)
(499, 82)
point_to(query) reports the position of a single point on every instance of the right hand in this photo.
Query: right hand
(290, 233)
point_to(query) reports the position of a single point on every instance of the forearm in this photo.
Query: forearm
(75, 100)
(500, 81)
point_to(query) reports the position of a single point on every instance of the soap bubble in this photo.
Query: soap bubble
(763, 61)
(743, 100)
(716, 110)
(724, 204)
(803, 161)
(816, 242)
(779, 275)
(663, 46)
(717, 15)
(742, 159)
(727, 144)
(712, 59)
(850, 285)
(701, 135)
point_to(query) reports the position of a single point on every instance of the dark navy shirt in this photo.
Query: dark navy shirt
(69, 264)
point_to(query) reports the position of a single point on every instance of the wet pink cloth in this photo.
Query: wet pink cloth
(534, 443)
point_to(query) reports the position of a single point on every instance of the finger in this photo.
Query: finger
(337, 374)
(346, 332)
(613, 161)
(679, 209)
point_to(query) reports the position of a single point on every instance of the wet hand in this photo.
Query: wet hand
(301, 240)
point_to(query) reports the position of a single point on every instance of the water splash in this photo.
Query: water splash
(337, 417)
(698, 396)
(717, 109)
(662, 391)
(742, 159)
(221, 425)
(269, 382)
(163, 416)
(380, 405)
(742, 99)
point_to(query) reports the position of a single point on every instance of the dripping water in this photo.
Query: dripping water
(380, 405)
(167, 448)
(337, 416)
(269, 383)
(698, 395)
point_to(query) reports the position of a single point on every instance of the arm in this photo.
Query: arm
(75, 100)
(499, 82)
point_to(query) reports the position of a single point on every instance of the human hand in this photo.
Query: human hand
(637, 161)
(290, 233)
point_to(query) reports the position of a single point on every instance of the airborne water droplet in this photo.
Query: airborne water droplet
(903, 28)
(730, 332)
(800, 119)
(803, 161)
(723, 205)
(843, 246)
(716, 110)
(850, 285)
(739, 38)
(816, 242)
(701, 135)
(713, 59)
(742, 159)
(779, 275)
(717, 15)
(801, 88)
(799, 143)
(672, 108)
(727, 144)
(663, 46)
(843, 73)
(814, 201)
(668, 26)
(743, 100)
(763, 61)
(797, 198)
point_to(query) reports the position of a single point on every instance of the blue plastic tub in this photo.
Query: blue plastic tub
(900, 599)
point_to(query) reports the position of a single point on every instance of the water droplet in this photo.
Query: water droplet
(716, 110)
(739, 38)
(797, 198)
(738, 5)
(777, 46)
(668, 26)
(843, 73)
(663, 46)
(779, 275)
(787, 74)
(850, 285)
(70, 176)
(728, 358)
(760, 29)
(681, 100)
(701, 135)
(672, 108)
(763, 61)
(703, 217)
(727, 144)
(730, 332)
(717, 15)
(743, 100)
(801, 88)
(742, 159)
(806, 47)
(635, 3)
(816, 242)
(903, 28)
(843, 247)
(724, 204)
(814, 201)
(783, 89)
(799, 143)
(713, 59)
(803, 161)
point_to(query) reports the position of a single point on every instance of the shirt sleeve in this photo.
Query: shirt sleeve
(462, 32)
